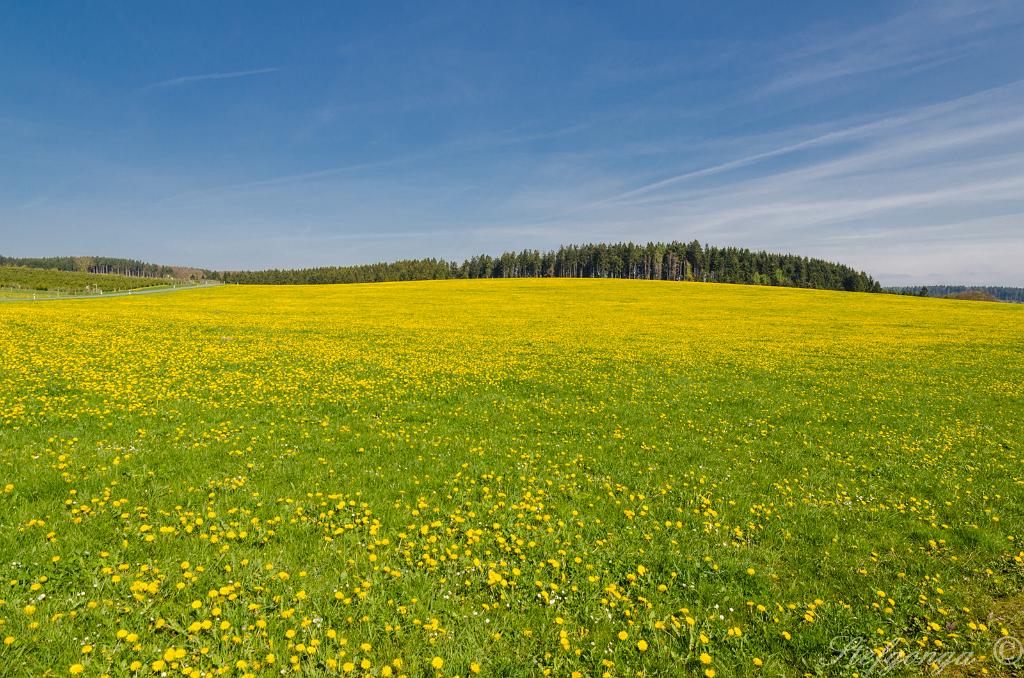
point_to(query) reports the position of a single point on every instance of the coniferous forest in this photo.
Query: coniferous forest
(129, 268)
(126, 267)
(653, 261)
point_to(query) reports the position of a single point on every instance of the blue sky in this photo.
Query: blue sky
(886, 135)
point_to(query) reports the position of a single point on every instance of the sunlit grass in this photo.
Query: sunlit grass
(509, 477)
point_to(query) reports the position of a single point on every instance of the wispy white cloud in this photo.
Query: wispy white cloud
(925, 35)
(38, 201)
(223, 75)
(906, 121)
(951, 172)
(222, 190)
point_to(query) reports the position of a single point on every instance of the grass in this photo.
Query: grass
(20, 294)
(515, 477)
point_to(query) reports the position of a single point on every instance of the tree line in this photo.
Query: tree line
(1014, 294)
(653, 261)
(129, 268)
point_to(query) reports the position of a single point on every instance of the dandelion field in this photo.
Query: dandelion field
(506, 478)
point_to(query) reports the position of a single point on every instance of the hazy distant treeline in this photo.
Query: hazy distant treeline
(1014, 294)
(653, 261)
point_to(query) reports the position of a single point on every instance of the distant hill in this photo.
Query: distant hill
(653, 261)
(130, 268)
(978, 292)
